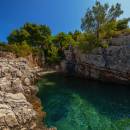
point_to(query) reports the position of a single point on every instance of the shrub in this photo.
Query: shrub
(53, 56)
(104, 45)
(108, 29)
(20, 50)
(122, 24)
(37, 51)
(116, 33)
(87, 42)
(126, 31)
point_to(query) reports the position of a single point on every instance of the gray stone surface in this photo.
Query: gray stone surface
(111, 64)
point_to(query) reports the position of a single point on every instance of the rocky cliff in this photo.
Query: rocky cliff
(19, 107)
(111, 64)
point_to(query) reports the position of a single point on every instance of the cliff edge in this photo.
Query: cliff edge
(110, 64)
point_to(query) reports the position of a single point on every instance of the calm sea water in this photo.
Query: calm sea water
(75, 104)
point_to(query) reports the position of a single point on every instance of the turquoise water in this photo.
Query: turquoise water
(75, 104)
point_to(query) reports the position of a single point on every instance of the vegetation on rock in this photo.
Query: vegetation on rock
(99, 23)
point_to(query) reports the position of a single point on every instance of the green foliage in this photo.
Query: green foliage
(122, 24)
(114, 29)
(37, 52)
(18, 36)
(100, 22)
(115, 34)
(33, 34)
(53, 56)
(126, 31)
(104, 45)
(20, 50)
(63, 41)
(75, 34)
(3, 46)
(108, 29)
(88, 42)
(99, 15)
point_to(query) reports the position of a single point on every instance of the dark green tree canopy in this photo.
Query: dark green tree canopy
(122, 24)
(63, 40)
(33, 34)
(99, 15)
(75, 34)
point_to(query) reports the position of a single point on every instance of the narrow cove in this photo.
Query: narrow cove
(77, 104)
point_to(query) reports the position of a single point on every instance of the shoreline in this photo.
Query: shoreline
(36, 102)
(19, 104)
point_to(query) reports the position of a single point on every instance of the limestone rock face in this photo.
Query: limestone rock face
(110, 64)
(15, 110)
(27, 81)
(17, 80)
(16, 76)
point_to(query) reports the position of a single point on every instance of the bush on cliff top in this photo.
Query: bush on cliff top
(88, 42)
(100, 22)
(20, 50)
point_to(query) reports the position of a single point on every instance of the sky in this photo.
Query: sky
(59, 15)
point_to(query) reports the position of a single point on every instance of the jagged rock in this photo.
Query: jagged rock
(27, 81)
(16, 80)
(17, 85)
(33, 89)
(19, 73)
(5, 129)
(33, 125)
(7, 117)
(5, 85)
(15, 110)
